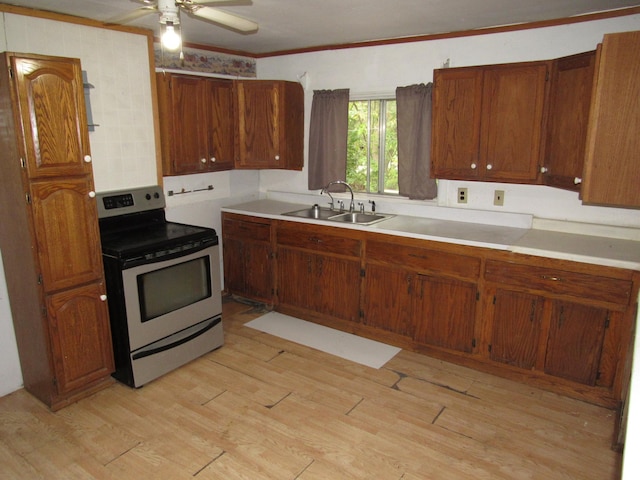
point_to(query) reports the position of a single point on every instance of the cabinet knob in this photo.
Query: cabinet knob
(489, 166)
(277, 157)
(212, 159)
(87, 158)
(92, 194)
(473, 166)
(103, 297)
(577, 180)
(203, 160)
(544, 169)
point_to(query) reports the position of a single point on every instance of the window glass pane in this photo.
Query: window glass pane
(391, 148)
(358, 145)
(372, 146)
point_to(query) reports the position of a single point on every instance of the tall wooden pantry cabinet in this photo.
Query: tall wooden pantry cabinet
(49, 239)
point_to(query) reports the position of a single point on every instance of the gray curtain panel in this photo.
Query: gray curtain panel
(414, 142)
(328, 137)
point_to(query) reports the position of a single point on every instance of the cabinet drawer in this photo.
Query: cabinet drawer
(259, 232)
(323, 242)
(560, 282)
(421, 259)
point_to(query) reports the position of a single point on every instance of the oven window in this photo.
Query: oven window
(171, 288)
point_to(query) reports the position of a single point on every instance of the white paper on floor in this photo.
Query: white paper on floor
(351, 347)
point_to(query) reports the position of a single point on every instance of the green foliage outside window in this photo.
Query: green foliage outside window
(372, 146)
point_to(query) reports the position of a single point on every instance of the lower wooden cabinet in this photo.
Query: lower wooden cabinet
(445, 313)
(80, 336)
(388, 299)
(515, 328)
(318, 272)
(248, 257)
(559, 325)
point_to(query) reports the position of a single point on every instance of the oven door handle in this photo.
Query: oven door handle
(152, 351)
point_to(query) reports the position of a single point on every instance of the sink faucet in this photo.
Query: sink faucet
(339, 182)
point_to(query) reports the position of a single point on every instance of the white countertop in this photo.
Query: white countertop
(546, 243)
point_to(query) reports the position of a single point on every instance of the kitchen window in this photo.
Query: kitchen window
(372, 146)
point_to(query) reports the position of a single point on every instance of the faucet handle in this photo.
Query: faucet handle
(361, 205)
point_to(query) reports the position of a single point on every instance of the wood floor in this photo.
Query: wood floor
(264, 408)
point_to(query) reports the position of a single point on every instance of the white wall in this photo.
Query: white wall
(381, 69)
(123, 146)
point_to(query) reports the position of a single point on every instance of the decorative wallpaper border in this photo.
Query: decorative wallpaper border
(196, 60)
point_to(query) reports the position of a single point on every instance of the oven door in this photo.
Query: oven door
(166, 297)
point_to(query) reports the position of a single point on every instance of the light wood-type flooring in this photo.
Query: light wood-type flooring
(264, 408)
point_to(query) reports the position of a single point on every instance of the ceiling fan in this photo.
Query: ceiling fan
(169, 11)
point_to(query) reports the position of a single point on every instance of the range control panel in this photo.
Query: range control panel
(134, 200)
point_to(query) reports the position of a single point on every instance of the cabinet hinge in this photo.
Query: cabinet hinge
(23, 164)
(28, 198)
(39, 279)
(362, 272)
(10, 72)
(473, 342)
(54, 380)
(361, 313)
(477, 296)
(44, 311)
(598, 375)
(489, 347)
(273, 255)
(494, 299)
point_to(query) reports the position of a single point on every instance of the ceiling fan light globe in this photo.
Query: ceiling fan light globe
(170, 38)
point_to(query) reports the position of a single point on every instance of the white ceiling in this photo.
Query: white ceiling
(296, 24)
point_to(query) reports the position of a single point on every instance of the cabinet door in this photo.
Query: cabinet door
(258, 272)
(187, 125)
(233, 258)
(53, 116)
(258, 124)
(296, 278)
(457, 102)
(512, 109)
(569, 102)
(336, 288)
(516, 328)
(220, 140)
(445, 313)
(575, 341)
(612, 160)
(80, 337)
(67, 237)
(388, 293)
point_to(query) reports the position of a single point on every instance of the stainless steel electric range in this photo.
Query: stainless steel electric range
(163, 285)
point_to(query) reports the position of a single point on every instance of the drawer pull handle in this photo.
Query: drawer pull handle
(315, 239)
(553, 279)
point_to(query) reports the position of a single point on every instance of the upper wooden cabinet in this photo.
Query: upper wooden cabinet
(209, 124)
(196, 123)
(488, 122)
(270, 130)
(569, 103)
(612, 161)
(49, 238)
(51, 108)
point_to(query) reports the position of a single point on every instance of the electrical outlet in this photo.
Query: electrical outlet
(498, 198)
(462, 195)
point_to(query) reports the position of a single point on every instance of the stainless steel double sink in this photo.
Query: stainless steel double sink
(323, 213)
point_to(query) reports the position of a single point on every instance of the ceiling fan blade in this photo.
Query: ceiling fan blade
(131, 16)
(226, 19)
